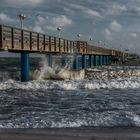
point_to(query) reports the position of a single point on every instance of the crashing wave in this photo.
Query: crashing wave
(127, 83)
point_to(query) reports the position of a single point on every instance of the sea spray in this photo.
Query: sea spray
(56, 72)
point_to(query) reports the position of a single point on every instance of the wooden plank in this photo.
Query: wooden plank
(1, 40)
(26, 40)
(50, 44)
(44, 42)
(30, 40)
(47, 43)
(61, 45)
(7, 37)
(34, 42)
(16, 39)
(57, 45)
(41, 42)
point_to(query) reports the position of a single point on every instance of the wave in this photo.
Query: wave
(107, 119)
(128, 83)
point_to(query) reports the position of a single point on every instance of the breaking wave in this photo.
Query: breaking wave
(128, 83)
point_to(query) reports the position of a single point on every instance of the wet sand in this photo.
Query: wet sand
(71, 134)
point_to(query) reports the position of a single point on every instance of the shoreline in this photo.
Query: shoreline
(121, 133)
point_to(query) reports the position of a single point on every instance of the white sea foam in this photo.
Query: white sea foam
(106, 119)
(56, 72)
(133, 83)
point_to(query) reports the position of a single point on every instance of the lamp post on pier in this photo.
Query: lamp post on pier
(79, 36)
(21, 18)
(59, 29)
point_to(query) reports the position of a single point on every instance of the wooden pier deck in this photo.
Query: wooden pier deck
(18, 40)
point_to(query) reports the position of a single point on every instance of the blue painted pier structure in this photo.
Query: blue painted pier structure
(26, 42)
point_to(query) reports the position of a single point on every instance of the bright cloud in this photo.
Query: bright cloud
(5, 18)
(108, 34)
(115, 9)
(92, 13)
(115, 26)
(86, 10)
(38, 29)
(51, 23)
(24, 2)
(134, 35)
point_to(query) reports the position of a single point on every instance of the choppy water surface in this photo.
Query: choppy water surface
(110, 98)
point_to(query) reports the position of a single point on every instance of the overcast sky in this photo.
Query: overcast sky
(116, 23)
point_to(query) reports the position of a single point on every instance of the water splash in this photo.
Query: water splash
(57, 72)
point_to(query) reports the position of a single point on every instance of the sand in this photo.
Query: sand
(71, 134)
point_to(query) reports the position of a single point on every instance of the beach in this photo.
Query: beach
(71, 134)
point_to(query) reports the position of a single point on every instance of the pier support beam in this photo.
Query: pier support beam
(90, 61)
(94, 60)
(75, 62)
(64, 60)
(83, 61)
(50, 59)
(25, 68)
(104, 60)
(100, 60)
(110, 59)
(107, 57)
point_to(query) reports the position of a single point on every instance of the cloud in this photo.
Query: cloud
(59, 21)
(86, 10)
(4, 18)
(24, 2)
(51, 23)
(92, 13)
(115, 9)
(62, 21)
(115, 26)
(108, 34)
(134, 35)
(38, 29)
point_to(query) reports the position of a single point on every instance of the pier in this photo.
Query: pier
(25, 42)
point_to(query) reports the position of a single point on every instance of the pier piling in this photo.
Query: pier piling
(25, 68)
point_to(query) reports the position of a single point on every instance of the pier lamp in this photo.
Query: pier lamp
(21, 18)
(79, 36)
(59, 29)
(91, 39)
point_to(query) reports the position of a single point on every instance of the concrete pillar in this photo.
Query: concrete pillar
(100, 60)
(106, 60)
(79, 57)
(110, 59)
(107, 57)
(25, 67)
(91, 61)
(75, 62)
(83, 61)
(50, 59)
(63, 61)
(94, 60)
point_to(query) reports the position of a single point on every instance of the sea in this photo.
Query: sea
(102, 96)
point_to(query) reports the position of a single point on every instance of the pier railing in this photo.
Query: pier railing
(16, 40)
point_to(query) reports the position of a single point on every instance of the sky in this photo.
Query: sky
(110, 23)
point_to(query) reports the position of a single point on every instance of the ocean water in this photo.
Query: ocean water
(107, 96)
